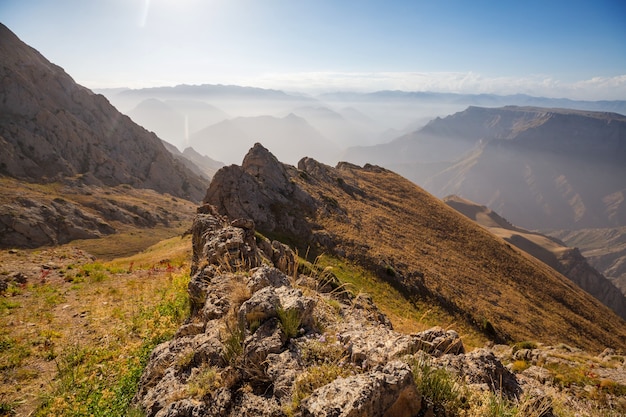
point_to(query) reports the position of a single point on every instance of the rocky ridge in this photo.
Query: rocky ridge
(264, 339)
(428, 251)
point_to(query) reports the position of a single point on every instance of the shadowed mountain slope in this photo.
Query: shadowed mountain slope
(52, 128)
(429, 251)
(550, 251)
(605, 249)
(541, 168)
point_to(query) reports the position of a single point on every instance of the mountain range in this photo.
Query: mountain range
(540, 168)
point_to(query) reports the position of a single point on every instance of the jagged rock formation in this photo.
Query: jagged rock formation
(52, 128)
(541, 168)
(551, 251)
(383, 222)
(266, 340)
(263, 341)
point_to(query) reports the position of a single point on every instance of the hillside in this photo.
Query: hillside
(540, 168)
(52, 128)
(427, 250)
(554, 253)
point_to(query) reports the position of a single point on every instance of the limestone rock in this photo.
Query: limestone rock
(481, 368)
(387, 392)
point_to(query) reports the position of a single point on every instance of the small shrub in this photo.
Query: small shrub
(204, 382)
(524, 345)
(324, 351)
(233, 342)
(519, 366)
(437, 385)
(314, 378)
(289, 321)
(185, 358)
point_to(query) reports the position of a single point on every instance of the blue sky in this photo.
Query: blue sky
(555, 48)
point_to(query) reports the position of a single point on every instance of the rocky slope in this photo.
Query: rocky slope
(550, 251)
(385, 223)
(52, 128)
(266, 340)
(541, 168)
(34, 215)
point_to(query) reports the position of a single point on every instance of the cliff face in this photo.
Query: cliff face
(52, 128)
(385, 223)
(541, 168)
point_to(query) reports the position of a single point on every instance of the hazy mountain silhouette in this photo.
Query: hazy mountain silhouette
(291, 136)
(540, 168)
(175, 120)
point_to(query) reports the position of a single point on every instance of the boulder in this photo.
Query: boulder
(388, 392)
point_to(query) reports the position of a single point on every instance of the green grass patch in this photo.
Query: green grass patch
(102, 380)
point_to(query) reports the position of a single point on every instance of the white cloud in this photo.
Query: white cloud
(596, 88)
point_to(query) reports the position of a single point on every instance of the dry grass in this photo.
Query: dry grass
(76, 344)
(433, 255)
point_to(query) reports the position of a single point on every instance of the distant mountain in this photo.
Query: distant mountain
(199, 164)
(52, 128)
(540, 168)
(175, 120)
(160, 118)
(345, 128)
(291, 136)
(550, 251)
(382, 222)
(482, 100)
(233, 99)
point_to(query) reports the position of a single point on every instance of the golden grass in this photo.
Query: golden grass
(406, 316)
(433, 255)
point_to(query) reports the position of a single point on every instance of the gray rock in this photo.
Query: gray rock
(261, 306)
(481, 368)
(387, 392)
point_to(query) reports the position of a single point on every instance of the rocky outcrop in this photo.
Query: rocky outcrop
(262, 340)
(259, 343)
(52, 128)
(272, 199)
(33, 223)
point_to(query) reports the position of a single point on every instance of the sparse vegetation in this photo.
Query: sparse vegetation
(89, 342)
(289, 321)
(204, 381)
(438, 386)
